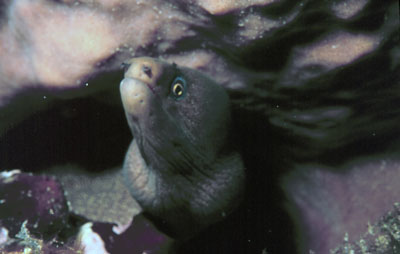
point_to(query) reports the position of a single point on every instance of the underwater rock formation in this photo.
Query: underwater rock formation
(93, 195)
(58, 45)
(34, 217)
(36, 200)
(321, 77)
(380, 238)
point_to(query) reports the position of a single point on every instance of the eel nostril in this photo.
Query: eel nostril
(147, 70)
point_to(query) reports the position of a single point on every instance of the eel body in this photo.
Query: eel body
(181, 166)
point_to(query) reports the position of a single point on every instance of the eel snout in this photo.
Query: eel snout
(145, 69)
(135, 97)
(139, 84)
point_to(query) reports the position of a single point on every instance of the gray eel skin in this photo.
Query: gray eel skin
(181, 166)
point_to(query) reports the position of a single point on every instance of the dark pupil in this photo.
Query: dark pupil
(178, 89)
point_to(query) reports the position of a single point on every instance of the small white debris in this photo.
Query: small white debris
(27, 250)
(121, 228)
(7, 174)
(371, 229)
(383, 166)
(3, 235)
(346, 237)
(90, 241)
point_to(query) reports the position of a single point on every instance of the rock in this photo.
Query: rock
(63, 53)
(37, 201)
(90, 242)
(24, 243)
(327, 204)
(94, 194)
(34, 217)
(321, 77)
(380, 238)
(141, 237)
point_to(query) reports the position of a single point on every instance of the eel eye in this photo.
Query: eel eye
(178, 88)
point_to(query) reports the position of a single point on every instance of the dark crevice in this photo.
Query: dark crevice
(89, 131)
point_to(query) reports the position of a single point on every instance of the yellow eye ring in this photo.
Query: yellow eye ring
(178, 88)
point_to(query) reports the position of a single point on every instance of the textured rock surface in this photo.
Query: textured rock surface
(34, 218)
(380, 238)
(100, 198)
(324, 73)
(58, 45)
(37, 201)
(343, 205)
(141, 238)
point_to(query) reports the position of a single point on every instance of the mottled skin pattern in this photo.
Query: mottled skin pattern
(181, 166)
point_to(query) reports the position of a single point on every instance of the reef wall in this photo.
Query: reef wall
(323, 72)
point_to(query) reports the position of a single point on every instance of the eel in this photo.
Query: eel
(181, 166)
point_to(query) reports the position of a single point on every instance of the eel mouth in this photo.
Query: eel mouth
(151, 88)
